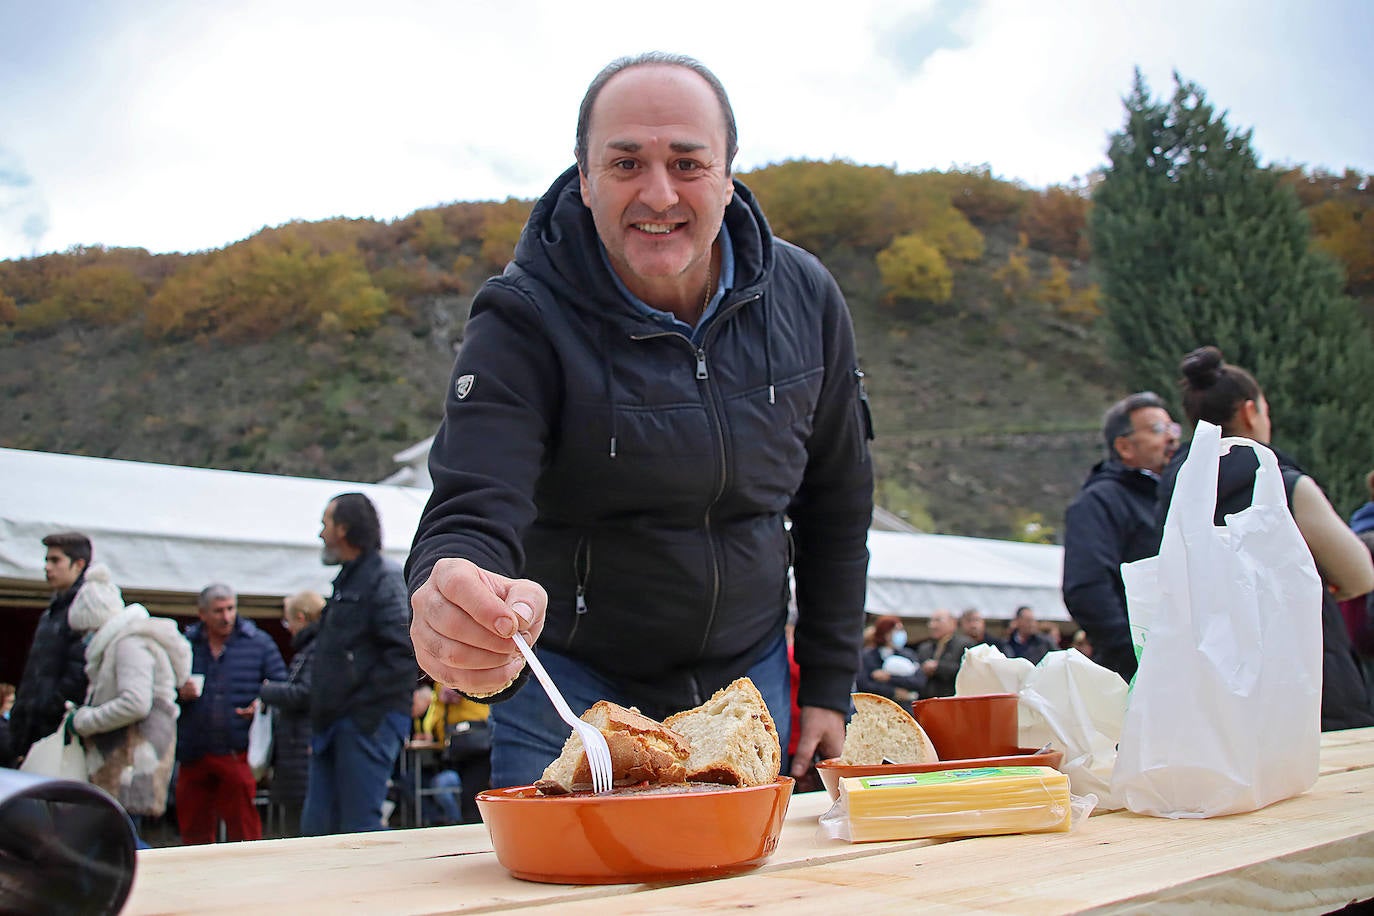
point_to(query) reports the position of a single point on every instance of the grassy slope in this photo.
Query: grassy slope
(986, 413)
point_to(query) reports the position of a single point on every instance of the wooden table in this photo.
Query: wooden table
(1313, 853)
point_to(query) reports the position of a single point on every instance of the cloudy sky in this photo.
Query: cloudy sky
(181, 126)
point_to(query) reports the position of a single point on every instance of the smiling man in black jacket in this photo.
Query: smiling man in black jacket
(362, 675)
(645, 396)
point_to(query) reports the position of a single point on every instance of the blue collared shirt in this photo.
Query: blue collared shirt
(667, 319)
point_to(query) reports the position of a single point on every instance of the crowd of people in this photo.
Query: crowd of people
(893, 667)
(165, 716)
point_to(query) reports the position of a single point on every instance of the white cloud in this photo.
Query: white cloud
(180, 126)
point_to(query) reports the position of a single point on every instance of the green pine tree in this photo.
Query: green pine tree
(1197, 244)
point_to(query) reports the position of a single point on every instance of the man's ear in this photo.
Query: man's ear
(1125, 448)
(84, 564)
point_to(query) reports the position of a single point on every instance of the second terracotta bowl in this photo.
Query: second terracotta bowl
(969, 727)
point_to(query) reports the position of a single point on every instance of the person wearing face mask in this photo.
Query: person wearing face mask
(1229, 397)
(889, 668)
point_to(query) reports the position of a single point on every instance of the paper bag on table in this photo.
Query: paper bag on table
(1224, 713)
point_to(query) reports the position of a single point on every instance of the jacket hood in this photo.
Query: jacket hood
(559, 247)
(1113, 470)
(305, 636)
(135, 621)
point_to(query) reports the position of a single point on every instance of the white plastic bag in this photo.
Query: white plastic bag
(1067, 702)
(58, 756)
(1225, 711)
(260, 741)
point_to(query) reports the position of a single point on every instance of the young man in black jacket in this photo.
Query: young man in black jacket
(1112, 521)
(644, 397)
(55, 669)
(362, 676)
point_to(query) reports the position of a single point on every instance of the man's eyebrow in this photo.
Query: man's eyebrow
(677, 146)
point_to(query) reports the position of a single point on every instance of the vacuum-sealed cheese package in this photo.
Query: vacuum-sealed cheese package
(979, 801)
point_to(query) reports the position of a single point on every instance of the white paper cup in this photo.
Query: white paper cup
(198, 682)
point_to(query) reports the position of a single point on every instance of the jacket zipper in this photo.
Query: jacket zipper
(704, 376)
(582, 573)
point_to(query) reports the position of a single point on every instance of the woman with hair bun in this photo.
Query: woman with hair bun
(1228, 396)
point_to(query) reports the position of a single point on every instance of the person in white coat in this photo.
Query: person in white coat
(128, 724)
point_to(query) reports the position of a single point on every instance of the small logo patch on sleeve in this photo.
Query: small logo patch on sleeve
(463, 387)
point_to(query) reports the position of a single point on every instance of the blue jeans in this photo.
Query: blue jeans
(446, 802)
(348, 775)
(527, 733)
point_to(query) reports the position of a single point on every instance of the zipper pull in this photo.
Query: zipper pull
(582, 601)
(701, 363)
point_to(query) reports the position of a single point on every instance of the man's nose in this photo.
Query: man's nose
(657, 192)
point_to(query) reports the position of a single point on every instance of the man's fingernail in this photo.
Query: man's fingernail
(504, 627)
(524, 610)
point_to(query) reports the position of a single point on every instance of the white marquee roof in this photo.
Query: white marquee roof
(175, 529)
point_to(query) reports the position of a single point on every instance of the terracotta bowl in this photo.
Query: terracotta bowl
(967, 727)
(635, 838)
(832, 771)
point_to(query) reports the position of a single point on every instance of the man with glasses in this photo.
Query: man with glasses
(1112, 521)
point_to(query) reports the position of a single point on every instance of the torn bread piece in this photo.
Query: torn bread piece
(733, 738)
(881, 731)
(642, 750)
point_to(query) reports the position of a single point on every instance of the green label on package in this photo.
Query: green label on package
(947, 776)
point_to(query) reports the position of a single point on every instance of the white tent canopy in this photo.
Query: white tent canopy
(913, 574)
(176, 529)
(167, 529)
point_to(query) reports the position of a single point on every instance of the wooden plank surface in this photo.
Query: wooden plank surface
(434, 870)
(1313, 852)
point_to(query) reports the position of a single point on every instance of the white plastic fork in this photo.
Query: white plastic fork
(593, 742)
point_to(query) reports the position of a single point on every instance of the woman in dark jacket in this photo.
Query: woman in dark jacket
(1229, 397)
(291, 700)
(889, 668)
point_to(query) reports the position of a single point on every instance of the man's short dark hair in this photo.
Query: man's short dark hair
(359, 517)
(659, 58)
(73, 543)
(1117, 420)
(1023, 610)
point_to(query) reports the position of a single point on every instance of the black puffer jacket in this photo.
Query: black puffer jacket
(643, 480)
(1111, 521)
(54, 673)
(1345, 696)
(364, 664)
(291, 721)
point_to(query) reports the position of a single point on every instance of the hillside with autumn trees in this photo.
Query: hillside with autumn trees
(323, 348)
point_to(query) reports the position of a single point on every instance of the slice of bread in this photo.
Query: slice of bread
(642, 750)
(882, 730)
(733, 738)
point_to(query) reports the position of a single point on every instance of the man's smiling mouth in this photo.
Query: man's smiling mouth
(655, 228)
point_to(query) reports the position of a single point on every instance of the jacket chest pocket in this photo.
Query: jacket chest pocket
(769, 440)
